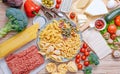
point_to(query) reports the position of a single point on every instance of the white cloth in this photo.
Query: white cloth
(96, 42)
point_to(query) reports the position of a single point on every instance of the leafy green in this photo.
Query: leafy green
(112, 46)
(105, 30)
(118, 39)
(118, 27)
(17, 21)
(93, 59)
(88, 70)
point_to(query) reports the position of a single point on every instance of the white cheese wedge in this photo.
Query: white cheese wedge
(82, 19)
(82, 16)
(97, 7)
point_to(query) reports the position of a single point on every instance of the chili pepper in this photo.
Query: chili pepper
(31, 8)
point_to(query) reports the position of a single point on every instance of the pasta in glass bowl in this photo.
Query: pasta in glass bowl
(59, 40)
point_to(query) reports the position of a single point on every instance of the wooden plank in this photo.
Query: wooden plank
(107, 65)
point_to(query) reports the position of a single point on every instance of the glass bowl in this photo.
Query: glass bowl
(48, 7)
(64, 59)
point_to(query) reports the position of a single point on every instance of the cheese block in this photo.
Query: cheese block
(96, 7)
(82, 3)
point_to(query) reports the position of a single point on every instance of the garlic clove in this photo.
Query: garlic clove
(111, 4)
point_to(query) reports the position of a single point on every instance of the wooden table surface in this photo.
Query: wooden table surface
(108, 65)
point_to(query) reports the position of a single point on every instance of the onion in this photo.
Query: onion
(13, 3)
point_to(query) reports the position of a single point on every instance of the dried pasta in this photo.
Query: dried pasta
(51, 39)
(51, 67)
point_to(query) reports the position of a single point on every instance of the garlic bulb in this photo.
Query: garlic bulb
(72, 66)
(111, 4)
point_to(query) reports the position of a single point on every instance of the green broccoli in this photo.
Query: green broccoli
(93, 59)
(17, 21)
(88, 70)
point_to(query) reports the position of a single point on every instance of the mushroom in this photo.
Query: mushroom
(116, 43)
(110, 41)
(118, 33)
(116, 54)
(106, 35)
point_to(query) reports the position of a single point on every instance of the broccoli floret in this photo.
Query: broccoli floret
(88, 70)
(93, 59)
(17, 21)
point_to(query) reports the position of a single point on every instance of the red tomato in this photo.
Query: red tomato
(113, 36)
(85, 45)
(86, 53)
(88, 49)
(83, 57)
(117, 20)
(79, 66)
(82, 50)
(112, 29)
(72, 15)
(86, 63)
(78, 56)
(57, 6)
(77, 61)
(58, 1)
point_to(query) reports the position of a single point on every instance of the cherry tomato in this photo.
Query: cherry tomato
(58, 1)
(88, 49)
(113, 36)
(86, 53)
(85, 45)
(78, 56)
(77, 61)
(86, 63)
(80, 66)
(83, 57)
(112, 29)
(82, 50)
(57, 6)
(72, 15)
(117, 20)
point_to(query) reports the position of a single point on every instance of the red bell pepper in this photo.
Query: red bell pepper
(31, 8)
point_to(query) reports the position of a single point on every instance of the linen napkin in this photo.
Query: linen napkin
(96, 42)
